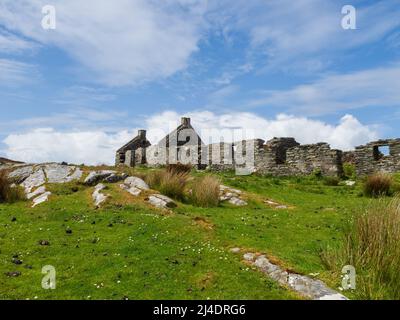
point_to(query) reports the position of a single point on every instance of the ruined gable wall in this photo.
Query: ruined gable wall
(306, 159)
(300, 160)
(368, 160)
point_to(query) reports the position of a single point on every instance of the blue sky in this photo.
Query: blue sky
(281, 68)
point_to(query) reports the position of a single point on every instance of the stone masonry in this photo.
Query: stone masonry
(370, 159)
(278, 156)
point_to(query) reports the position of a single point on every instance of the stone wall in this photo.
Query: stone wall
(281, 159)
(369, 159)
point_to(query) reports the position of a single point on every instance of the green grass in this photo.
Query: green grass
(134, 251)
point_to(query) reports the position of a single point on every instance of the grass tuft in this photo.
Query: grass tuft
(205, 192)
(372, 245)
(378, 185)
(8, 192)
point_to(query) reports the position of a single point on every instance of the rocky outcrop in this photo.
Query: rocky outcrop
(40, 199)
(34, 177)
(308, 287)
(233, 196)
(161, 201)
(134, 186)
(97, 196)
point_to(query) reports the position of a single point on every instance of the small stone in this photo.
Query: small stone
(16, 261)
(44, 243)
(13, 274)
(235, 250)
(249, 256)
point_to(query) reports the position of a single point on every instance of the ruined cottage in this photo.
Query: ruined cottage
(133, 153)
(378, 156)
(278, 156)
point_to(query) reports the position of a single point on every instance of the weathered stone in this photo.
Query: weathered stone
(278, 156)
(37, 192)
(132, 190)
(235, 250)
(115, 177)
(96, 176)
(36, 179)
(350, 183)
(369, 159)
(306, 286)
(40, 199)
(161, 201)
(97, 196)
(57, 173)
(136, 182)
(20, 174)
(237, 202)
(249, 256)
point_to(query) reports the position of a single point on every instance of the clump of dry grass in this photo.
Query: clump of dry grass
(378, 185)
(179, 168)
(9, 193)
(173, 184)
(153, 179)
(169, 182)
(205, 192)
(372, 245)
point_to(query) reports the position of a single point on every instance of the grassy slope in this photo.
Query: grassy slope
(131, 250)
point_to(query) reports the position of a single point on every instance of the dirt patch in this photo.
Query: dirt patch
(202, 222)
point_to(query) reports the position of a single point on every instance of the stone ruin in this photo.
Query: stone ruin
(278, 157)
(378, 156)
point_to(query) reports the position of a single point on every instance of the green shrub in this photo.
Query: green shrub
(9, 193)
(377, 185)
(349, 170)
(331, 181)
(372, 245)
(317, 173)
(205, 192)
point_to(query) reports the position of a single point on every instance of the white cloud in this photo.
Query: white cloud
(378, 87)
(99, 146)
(14, 73)
(347, 134)
(300, 34)
(47, 144)
(123, 42)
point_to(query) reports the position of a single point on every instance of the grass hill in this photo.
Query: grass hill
(127, 249)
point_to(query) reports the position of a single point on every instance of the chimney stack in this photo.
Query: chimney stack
(185, 122)
(142, 134)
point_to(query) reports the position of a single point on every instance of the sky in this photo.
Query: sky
(80, 90)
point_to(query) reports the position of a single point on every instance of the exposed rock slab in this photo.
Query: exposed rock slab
(115, 177)
(40, 199)
(161, 201)
(136, 182)
(97, 176)
(306, 286)
(231, 195)
(97, 196)
(20, 174)
(132, 190)
(57, 173)
(37, 192)
(34, 180)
